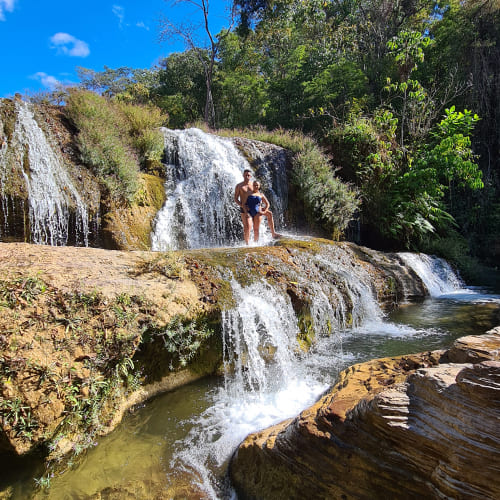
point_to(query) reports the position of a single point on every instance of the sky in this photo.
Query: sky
(44, 41)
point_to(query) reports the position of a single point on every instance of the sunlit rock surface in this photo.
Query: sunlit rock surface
(420, 426)
(65, 309)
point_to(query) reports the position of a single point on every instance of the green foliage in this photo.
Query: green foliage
(403, 189)
(331, 201)
(181, 89)
(101, 142)
(115, 138)
(143, 129)
(182, 340)
(17, 416)
(21, 292)
(449, 155)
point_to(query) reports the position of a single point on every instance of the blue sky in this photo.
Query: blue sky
(44, 41)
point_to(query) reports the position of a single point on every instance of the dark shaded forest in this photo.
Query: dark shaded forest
(402, 96)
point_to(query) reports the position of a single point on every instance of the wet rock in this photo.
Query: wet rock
(421, 428)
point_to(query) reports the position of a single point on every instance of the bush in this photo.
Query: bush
(143, 128)
(331, 201)
(116, 139)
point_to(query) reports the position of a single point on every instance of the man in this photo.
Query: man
(242, 191)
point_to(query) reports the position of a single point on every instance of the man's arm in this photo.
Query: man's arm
(237, 196)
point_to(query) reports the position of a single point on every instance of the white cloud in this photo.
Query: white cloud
(69, 45)
(142, 25)
(48, 81)
(6, 6)
(119, 12)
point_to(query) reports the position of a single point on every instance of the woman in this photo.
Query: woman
(258, 206)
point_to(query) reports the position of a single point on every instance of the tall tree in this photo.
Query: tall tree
(206, 55)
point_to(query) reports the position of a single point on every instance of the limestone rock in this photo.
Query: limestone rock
(408, 427)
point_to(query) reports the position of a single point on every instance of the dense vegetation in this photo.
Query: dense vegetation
(403, 96)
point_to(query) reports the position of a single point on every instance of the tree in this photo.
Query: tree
(187, 32)
(181, 88)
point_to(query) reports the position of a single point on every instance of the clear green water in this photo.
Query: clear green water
(135, 461)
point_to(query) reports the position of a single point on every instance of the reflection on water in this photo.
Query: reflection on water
(178, 445)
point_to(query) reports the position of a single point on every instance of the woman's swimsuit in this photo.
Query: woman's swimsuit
(253, 204)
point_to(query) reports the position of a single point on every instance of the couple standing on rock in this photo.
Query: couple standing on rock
(253, 206)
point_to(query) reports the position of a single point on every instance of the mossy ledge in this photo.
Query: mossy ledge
(89, 333)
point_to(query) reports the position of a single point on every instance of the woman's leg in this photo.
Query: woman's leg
(256, 226)
(270, 223)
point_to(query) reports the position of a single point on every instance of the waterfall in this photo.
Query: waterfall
(436, 274)
(202, 171)
(351, 286)
(264, 382)
(261, 328)
(52, 196)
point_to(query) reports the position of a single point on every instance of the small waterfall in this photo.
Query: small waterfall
(261, 328)
(351, 287)
(202, 171)
(437, 275)
(264, 383)
(54, 203)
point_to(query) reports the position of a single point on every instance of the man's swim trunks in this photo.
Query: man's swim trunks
(253, 204)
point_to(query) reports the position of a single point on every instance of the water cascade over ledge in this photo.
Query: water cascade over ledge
(437, 274)
(54, 204)
(202, 171)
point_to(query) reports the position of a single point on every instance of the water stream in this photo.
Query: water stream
(179, 444)
(53, 201)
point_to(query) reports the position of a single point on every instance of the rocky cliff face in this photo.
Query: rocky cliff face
(420, 426)
(85, 333)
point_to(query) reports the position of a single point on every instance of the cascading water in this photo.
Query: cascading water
(52, 197)
(437, 275)
(202, 171)
(264, 382)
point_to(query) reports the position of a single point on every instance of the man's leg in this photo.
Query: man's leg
(247, 226)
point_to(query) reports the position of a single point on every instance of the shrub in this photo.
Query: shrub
(116, 139)
(331, 201)
(143, 128)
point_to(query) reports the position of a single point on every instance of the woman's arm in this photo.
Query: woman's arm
(265, 202)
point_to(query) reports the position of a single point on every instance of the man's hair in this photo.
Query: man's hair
(247, 170)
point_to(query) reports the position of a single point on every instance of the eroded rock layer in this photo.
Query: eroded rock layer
(420, 426)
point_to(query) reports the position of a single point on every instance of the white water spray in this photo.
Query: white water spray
(264, 382)
(436, 274)
(202, 172)
(51, 193)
